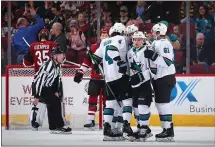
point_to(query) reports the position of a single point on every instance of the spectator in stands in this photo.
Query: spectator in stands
(108, 25)
(180, 36)
(69, 5)
(193, 10)
(124, 17)
(201, 53)
(4, 24)
(77, 42)
(82, 23)
(164, 10)
(139, 12)
(48, 11)
(133, 21)
(27, 14)
(114, 8)
(58, 17)
(211, 10)
(29, 32)
(204, 22)
(47, 20)
(106, 16)
(58, 36)
(93, 32)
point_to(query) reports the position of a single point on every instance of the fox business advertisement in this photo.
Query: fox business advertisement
(191, 96)
(194, 95)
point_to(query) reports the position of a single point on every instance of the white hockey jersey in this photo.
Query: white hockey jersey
(163, 65)
(138, 63)
(109, 49)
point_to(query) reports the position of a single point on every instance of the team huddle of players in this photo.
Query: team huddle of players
(131, 71)
(132, 68)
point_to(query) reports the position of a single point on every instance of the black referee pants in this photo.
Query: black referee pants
(55, 109)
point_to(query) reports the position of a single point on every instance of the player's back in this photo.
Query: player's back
(123, 47)
(39, 52)
(110, 49)
(165, 49)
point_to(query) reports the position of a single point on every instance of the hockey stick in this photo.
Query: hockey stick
(73, 63)
(26, 42)
(103, 75)
(92, 79)
(70, 62)
(153, 91)
(63, 109)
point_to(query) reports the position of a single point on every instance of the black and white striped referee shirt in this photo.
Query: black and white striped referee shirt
(46, 76)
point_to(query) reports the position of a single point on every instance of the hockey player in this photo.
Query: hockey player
(47, 87)
(112, 54)
(161, 58)
(140, 82)
(96, 84)
(130, 30)
(38, 53)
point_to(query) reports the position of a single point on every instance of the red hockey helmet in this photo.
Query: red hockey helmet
(44, 33)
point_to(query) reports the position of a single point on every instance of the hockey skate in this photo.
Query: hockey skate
(63, 130)
(35, 126)
(167, 135)
(119, 134)
(34, 129)
(109, 135)
(135, 134)
(90, 126)
(127, 131)
(144, 133)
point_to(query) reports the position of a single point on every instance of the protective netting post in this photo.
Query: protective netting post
(98, 17)
(100, 110)
(9, 33)
(187, 37)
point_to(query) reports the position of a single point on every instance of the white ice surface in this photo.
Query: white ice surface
(183, 136)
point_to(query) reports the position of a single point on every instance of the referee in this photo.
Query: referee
(47, 87)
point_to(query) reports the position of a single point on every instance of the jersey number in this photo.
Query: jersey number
(107, 57)
(42, 56)
(166, 50)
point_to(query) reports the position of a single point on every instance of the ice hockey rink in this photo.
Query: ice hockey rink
(183, 136)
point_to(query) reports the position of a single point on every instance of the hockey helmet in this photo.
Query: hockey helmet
(44, 33)
(131, 29)
(138, 34)
(159, 28)
(119, 27)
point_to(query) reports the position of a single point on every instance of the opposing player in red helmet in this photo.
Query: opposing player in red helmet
(95, 85)
(39, 51)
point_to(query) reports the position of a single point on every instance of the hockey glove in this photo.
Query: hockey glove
(137, 78)
(122, 67)
(150, 54)
(78, 76)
